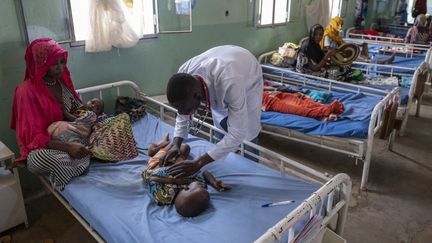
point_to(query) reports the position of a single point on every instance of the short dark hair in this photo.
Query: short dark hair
(193, 204)
(179, 87)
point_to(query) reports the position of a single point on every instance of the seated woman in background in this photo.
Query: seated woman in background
(333, 40)
(419, 33)
(312, 60)
(45, 96)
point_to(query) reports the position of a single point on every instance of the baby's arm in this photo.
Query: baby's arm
(216, 184)
(167, 180)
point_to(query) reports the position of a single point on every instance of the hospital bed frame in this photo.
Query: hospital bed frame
(337, 187)
(403, 110)
(382, 40)
(360, 149)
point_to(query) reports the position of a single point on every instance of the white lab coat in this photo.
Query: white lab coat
(235, 85)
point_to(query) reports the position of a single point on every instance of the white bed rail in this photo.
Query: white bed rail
(339, 184)
(374, 68)
(328, 84)
(311, 206)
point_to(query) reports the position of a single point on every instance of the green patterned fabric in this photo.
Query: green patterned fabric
(112, 140)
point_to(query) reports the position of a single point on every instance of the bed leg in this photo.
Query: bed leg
(391, 140)
(365, 174)
(419, 101)
(346, 188)
(404, 122)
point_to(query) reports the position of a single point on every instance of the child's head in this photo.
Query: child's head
(192, 200)
(96, 105)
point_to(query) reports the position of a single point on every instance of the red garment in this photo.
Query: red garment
(421, 6)
(298, 104)
(370, 32)
(34, 108)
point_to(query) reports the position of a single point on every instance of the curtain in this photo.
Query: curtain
(110, 25)
(318, 12)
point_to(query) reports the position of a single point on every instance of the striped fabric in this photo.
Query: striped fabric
(58, 164)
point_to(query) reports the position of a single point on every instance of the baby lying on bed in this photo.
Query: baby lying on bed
(189, 195)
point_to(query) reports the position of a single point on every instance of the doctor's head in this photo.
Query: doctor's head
(185, 93)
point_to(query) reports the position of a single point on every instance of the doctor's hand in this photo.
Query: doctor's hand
(185, 168)
(172, 153)
(173, 150)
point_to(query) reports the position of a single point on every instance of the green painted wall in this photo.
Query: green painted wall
(151, 62)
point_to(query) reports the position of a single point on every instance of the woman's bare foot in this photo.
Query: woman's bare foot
(388, 60)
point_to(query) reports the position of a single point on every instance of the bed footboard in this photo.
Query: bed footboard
(341, 184)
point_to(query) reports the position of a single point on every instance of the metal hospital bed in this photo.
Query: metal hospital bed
(358, 148)
(329, 199)
(381, 39)
(414, 93)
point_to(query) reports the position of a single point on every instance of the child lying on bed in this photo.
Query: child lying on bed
(189, 195)
(300, 104)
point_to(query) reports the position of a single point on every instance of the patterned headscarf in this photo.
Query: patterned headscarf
(332, 31)
(40, 55)
(34, 108)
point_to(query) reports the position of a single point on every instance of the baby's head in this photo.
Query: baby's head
(192, 200)
(96, 105)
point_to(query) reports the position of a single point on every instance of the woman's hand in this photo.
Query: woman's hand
(77, 150)
(330, 53)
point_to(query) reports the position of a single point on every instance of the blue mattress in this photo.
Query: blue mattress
(113, 199)
(399, 61)
(353, 123)
(404, 96)
(401, 33)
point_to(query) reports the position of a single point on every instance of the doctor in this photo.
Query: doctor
(226, 80)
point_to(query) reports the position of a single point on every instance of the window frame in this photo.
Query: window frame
(257, 15)
(71, 39)
(342, 9)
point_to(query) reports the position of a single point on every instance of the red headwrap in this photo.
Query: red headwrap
(34, 107)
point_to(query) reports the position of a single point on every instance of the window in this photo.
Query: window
(141, 17)
(335, 7)
(67, 21)
(272, 12)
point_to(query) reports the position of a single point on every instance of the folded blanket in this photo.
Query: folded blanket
(319, 95)
(77, 131)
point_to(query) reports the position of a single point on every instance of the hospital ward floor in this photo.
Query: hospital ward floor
(396, 208)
